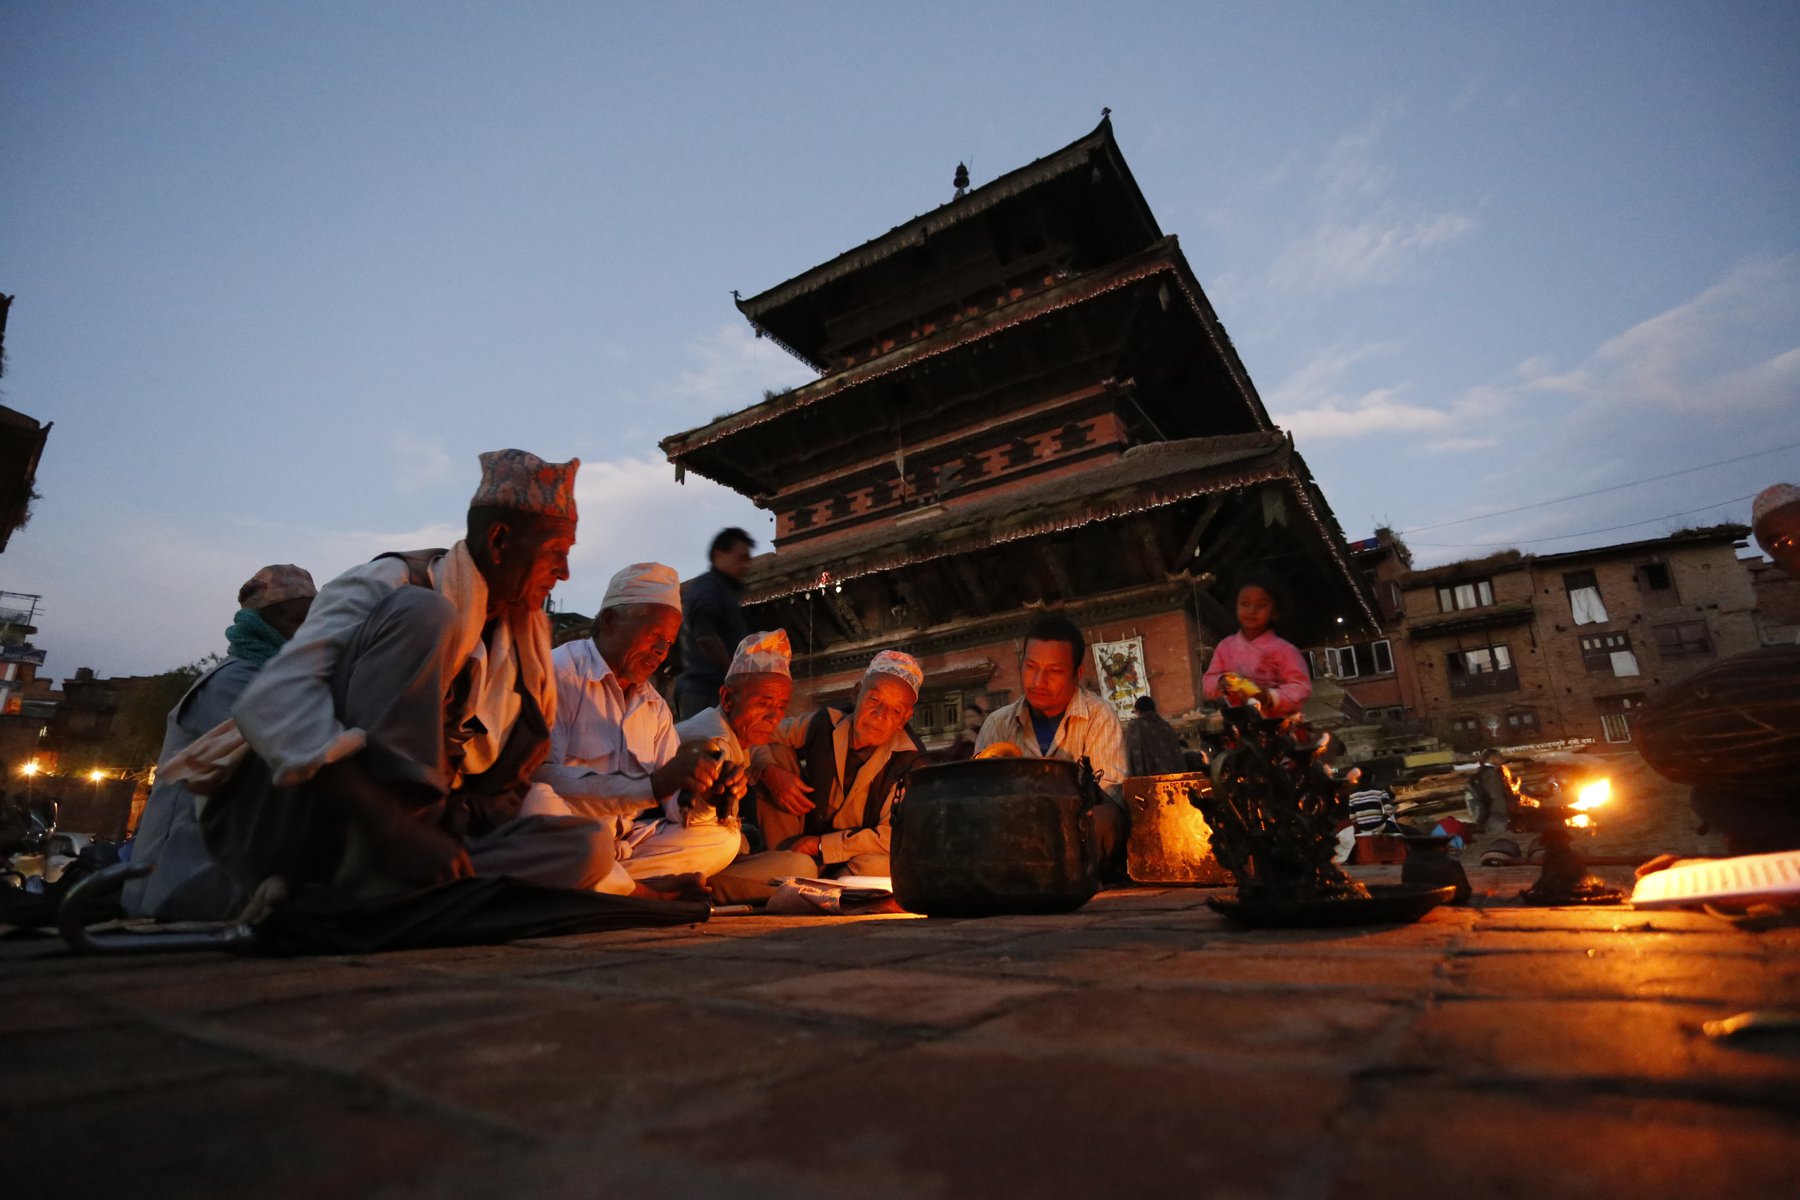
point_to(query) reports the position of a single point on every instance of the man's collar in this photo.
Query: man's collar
(736, 585)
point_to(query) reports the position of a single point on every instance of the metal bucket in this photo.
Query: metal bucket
(992, 836)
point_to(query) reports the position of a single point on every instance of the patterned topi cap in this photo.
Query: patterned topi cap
(1779, 495)
(644, 583)
(273, 584)
(762, 654)
(524, 482)
(903, 667)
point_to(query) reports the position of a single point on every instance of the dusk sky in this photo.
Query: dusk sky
(284, 270)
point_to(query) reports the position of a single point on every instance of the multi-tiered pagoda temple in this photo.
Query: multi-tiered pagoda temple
(1025, 401)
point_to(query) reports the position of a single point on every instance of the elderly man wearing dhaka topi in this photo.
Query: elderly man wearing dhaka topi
(403, 721)
(758, 684)
(828, 781)
(614, 755)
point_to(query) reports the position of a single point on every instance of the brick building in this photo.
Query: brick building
(1514, 649)
(1375, 673)
(1777, 598)
(1025, 401)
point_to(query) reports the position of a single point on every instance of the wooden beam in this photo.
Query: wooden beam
(919, 610)
(1208, 514)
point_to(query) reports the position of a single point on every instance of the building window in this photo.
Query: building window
(1584, 598)
(1465, 724)
(1521, 722)
(1355, 662)
(1684, 639)
(1457, 596)
(1482, 670)
(1609, 653)
(1617, 715)
(1654, 577)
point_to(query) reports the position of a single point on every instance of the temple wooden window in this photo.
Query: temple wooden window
(881, 494)
(1019, 452)
(802, 517)
(840, 507)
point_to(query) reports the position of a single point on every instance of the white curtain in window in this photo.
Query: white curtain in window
(1585, 603)
(1624, 662)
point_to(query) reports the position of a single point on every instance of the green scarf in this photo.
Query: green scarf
(253, 639)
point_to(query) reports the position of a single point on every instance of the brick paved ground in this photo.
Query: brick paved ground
(1140, 1047)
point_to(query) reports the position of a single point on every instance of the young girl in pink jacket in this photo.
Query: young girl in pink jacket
(1259, 655)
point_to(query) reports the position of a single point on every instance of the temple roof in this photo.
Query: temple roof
(711, 450)
(778, 312)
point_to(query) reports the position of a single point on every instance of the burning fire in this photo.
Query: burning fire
(1590, 796)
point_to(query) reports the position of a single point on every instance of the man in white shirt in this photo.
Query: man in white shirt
(614, 755)
(1055, 718)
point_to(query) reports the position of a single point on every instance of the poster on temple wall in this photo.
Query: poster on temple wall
(1119, 666)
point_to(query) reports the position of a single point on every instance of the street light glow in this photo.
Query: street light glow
(30, 768)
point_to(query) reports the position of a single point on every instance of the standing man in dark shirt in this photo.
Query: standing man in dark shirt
(1152, 747)
(712, 624)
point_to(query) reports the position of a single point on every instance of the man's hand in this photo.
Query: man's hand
(808, 846)
(691, 770)
(787, 790)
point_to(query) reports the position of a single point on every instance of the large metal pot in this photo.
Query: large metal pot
(990, 836)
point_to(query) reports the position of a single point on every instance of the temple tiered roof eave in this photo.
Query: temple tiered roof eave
(1072, 157)
(1145, 477)
(706, 450)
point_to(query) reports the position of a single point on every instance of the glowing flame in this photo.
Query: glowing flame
(1592, 795)
(31, 768)
(96, 774)
(1579, 821)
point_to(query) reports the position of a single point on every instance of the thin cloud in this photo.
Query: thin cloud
(1460, 445)
(1701, 382)
(420, 463)
(1361, 235)
(1317, 402)
(730, 368)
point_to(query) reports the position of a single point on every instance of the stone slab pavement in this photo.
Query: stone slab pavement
(1139, 1047)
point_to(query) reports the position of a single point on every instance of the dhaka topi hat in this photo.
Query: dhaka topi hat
(762, 654)
(901, 666)
(523, 482)
(273, 584)
(644, 583)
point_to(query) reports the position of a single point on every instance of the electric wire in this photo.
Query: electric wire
(1563, 537)
(1596, 492)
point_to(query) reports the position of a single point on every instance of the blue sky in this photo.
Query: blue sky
(284, 270)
